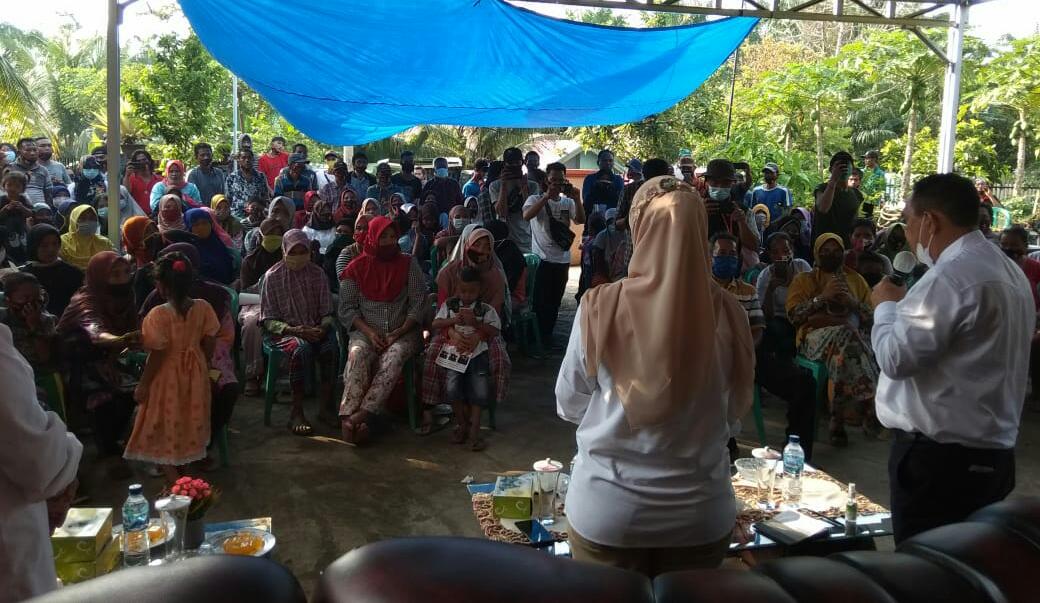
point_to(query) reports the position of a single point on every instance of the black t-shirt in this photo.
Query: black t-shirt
(842, 214)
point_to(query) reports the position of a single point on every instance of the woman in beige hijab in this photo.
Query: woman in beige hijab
(658, 367)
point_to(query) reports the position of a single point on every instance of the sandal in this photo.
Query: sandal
(300, 426)
(459, 434)
(478, 444)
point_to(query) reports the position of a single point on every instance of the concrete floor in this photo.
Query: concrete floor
(326, 497)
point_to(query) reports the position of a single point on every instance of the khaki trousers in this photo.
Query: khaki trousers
(651, 561)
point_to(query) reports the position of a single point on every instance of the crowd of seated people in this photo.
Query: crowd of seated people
(392, 266)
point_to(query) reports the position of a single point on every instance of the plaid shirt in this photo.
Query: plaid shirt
(384, 317)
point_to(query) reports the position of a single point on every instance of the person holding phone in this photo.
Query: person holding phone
(726, 216)
(837, 205)
(550, 215)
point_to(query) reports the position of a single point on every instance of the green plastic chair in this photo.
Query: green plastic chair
(51, 383)
(527, 319)
(273, 357)
(756, 409)
(751, 276)
(820, 375)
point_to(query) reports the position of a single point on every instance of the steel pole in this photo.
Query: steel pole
(234, 114)
(113, 135)
(951, 99)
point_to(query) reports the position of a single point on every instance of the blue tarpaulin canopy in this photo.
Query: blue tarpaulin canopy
(353, 71)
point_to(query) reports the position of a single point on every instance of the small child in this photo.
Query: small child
(14, 210)
(172, 425)
(33, 333)
(470, 324)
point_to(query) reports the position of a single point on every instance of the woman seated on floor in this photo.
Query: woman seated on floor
(830, 307)
(475, 248)
(296, 309)
(381, 297)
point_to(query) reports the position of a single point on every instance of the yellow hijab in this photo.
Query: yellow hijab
(76, 248)
(656, 329)
(808, 285)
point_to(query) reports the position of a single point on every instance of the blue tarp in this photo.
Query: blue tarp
(353, 71)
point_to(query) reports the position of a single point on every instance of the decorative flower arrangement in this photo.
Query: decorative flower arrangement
(202, 494)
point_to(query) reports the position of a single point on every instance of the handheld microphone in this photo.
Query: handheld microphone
(902, 267)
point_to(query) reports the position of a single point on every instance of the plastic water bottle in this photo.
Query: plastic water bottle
(135, 528)
(794, 464)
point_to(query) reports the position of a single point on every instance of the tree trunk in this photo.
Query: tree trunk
(819, 137)
(908, 156)
(1020, 165)
(787, 142)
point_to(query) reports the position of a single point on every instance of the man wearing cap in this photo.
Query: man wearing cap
(724, 215)
(294, 184)
(777, 198)
(635, 171)
(272, 162)
(509, 193)
(332, 192)
(445, 188)
(873, 183)
(837, 205)
(324, 176)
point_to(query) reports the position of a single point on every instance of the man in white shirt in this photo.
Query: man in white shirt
(38, 462)
(550, 215)
(954, 357)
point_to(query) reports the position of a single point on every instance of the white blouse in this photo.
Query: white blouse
(663, 486)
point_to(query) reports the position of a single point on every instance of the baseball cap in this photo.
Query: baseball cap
(772, 167)
(635, 165)
(872, 154)
(331, 155)
(297, 158)
(721, 169)
(340, 165)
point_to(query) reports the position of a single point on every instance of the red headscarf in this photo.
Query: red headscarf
(379, 279)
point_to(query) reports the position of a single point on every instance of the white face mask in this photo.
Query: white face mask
(922, 250)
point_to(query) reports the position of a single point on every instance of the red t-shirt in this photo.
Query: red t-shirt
(272, 166)
(1032, 270)
(141, 191)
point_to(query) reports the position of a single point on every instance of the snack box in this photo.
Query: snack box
(108, 560)
(82, 537)
(511, 497)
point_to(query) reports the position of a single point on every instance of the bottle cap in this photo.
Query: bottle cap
(136, 489)
(793, 439)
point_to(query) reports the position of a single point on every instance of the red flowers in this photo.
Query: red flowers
(196, 488)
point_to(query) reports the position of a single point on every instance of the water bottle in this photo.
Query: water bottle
(135, 528)
(794, 464)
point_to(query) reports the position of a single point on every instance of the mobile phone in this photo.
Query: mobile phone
(535, 532)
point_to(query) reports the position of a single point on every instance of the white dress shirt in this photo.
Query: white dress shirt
(38, 460)
(663, 486)
(954, 354)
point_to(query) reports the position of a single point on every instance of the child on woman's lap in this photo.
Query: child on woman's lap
(470, 324)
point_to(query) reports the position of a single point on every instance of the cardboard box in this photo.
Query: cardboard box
(511, 498)
(82, 537)
(108, 560)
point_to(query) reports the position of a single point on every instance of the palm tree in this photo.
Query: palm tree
(19, 106)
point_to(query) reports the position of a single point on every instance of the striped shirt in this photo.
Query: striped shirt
(748, 297)
(383, 317)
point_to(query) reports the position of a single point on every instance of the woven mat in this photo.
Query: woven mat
(494, 530)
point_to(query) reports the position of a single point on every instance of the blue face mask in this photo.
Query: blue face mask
(91, 173)
(441, 172)
(718, 193)
(725, 267)
(10, 156)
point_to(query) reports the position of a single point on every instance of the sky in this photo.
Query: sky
(989, 21)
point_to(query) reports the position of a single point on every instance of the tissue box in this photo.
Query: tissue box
(83, 535)
(108, 560)
(512, 496)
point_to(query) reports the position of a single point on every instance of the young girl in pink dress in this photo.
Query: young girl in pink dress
(172, 425)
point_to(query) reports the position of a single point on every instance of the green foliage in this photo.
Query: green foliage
(598, 16)
(176, 91)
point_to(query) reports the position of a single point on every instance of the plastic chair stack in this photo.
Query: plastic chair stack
(527, 319)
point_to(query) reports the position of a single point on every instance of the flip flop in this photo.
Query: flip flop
(478, 445)
(300, 426)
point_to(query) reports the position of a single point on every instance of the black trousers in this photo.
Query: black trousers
(935, 484)
(548, 293)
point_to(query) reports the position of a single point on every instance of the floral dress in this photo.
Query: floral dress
(172, 424)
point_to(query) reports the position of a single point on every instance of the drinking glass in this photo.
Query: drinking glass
(547, 481)
(174, 510)
(763, 479)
